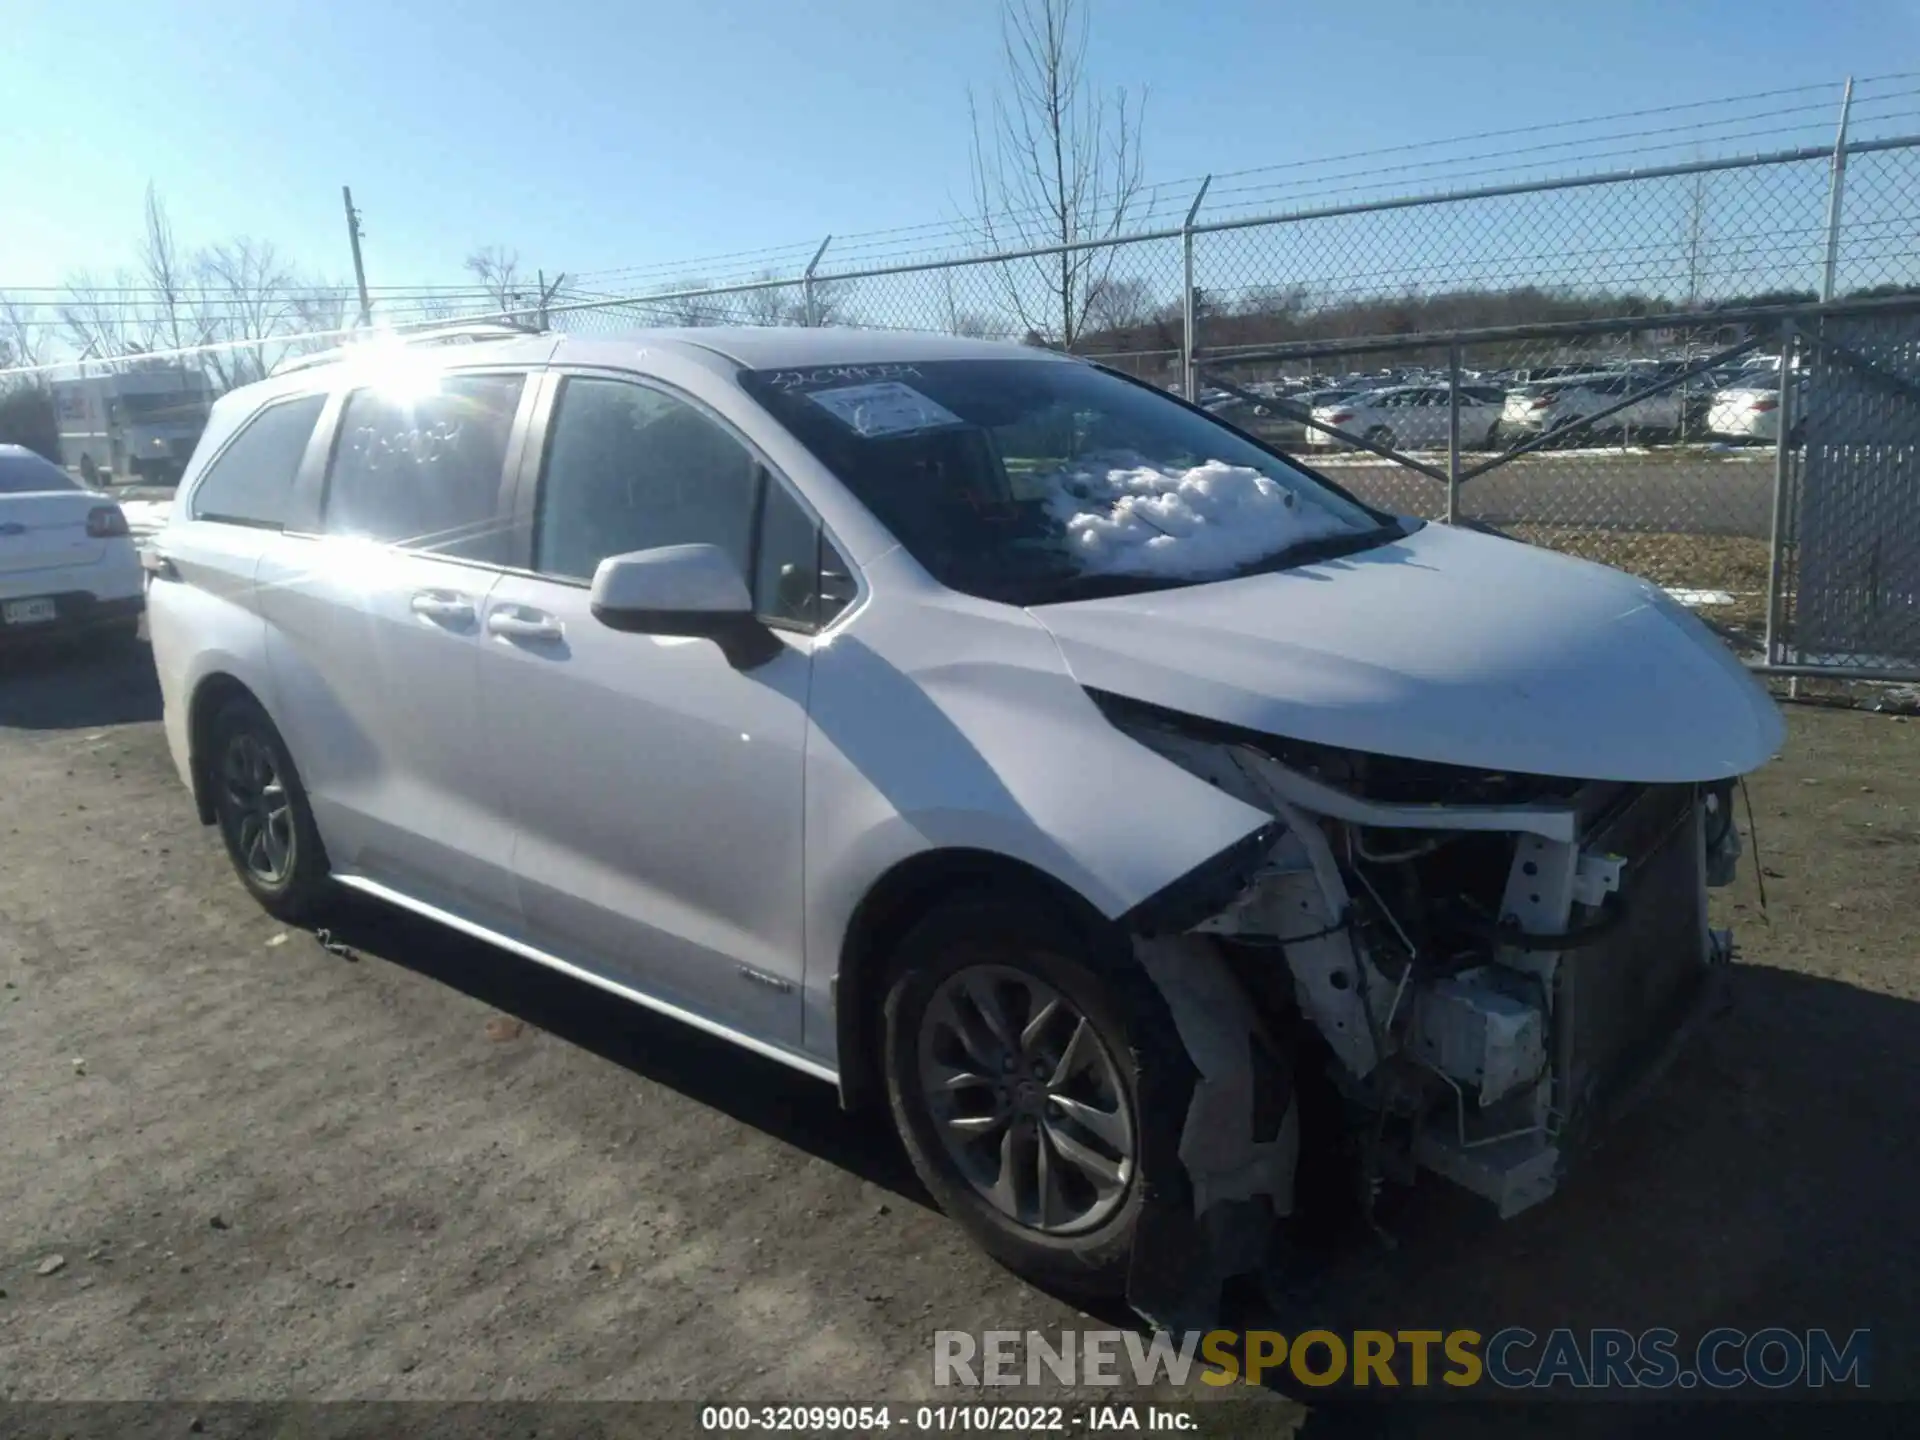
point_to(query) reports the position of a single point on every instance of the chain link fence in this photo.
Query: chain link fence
(1847, 597)
(1591, 363)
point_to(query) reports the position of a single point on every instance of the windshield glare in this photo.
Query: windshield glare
(1005, 477)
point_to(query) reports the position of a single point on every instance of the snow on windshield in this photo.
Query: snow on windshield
(1126, 515)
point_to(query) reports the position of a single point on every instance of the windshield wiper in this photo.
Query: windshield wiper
(1328, 547)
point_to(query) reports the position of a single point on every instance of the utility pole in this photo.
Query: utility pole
(359, 266)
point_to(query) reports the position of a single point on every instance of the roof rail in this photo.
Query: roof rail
(469, 333)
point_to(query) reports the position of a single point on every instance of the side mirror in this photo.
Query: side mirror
(692, 590)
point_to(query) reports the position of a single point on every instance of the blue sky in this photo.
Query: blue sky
(594, 136)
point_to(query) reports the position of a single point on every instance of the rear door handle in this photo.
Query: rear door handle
(520, 623)
(444, 607)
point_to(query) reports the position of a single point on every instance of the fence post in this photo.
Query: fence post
(1782, 453)
(1836, 188)
(806, 284)
(1453, 432)
(1188, 318)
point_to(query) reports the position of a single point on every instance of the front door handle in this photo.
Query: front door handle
(520, 623)
(443, 607)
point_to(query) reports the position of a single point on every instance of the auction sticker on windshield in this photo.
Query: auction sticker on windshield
(885, 408)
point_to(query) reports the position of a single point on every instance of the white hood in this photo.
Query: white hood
(1450, 646)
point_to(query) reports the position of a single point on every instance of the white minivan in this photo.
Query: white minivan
(978, 729)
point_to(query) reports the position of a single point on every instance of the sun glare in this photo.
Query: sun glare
(398, 372)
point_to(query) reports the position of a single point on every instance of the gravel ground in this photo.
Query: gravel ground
(268, 1171)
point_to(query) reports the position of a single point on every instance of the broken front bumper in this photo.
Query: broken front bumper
(1488, 1062)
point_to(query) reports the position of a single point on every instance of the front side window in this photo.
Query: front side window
(422, 466)
(251, 483)
(631, 468)
(1026, 481)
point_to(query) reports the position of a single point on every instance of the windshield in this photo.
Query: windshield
(1025, 481)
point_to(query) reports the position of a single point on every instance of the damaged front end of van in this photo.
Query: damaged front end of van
(1488, 961)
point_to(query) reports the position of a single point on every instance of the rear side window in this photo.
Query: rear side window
(424, 471)
(251, 483)
(22, 472)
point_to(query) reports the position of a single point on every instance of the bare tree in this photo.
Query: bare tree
(767, 306)
(1120, 304)
(682, 303)
(969, 323)
(249, 292)
(770, 305)
(1059, 164)
(507, 284)
(93, 320)
(319, 313)
(22, 334)
(172, 318)
(436, 307)
(832, 304)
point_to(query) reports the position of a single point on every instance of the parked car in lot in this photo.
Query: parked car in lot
(1746, 412)
(1553, 404)
(67, 563)
(976, 729)
(1270, 419)
(1278, 419)
(1412, 417)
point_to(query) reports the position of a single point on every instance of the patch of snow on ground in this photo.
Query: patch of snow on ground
(1701, 597)
(1124, 514)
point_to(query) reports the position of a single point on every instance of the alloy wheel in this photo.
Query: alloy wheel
(258, 811)
(1026, 1099)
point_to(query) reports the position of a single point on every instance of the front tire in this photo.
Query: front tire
(1015, 1064)
(263, 814)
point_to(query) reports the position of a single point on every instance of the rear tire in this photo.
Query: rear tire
(1016, 1062)
(1382, 436)
(263, 815)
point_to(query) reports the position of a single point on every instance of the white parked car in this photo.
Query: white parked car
(1412, 417)
(1551, 404)
(67, 563)
(975, 729)
(1746, 412)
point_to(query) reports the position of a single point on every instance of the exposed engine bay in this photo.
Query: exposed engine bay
(1491, 963)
